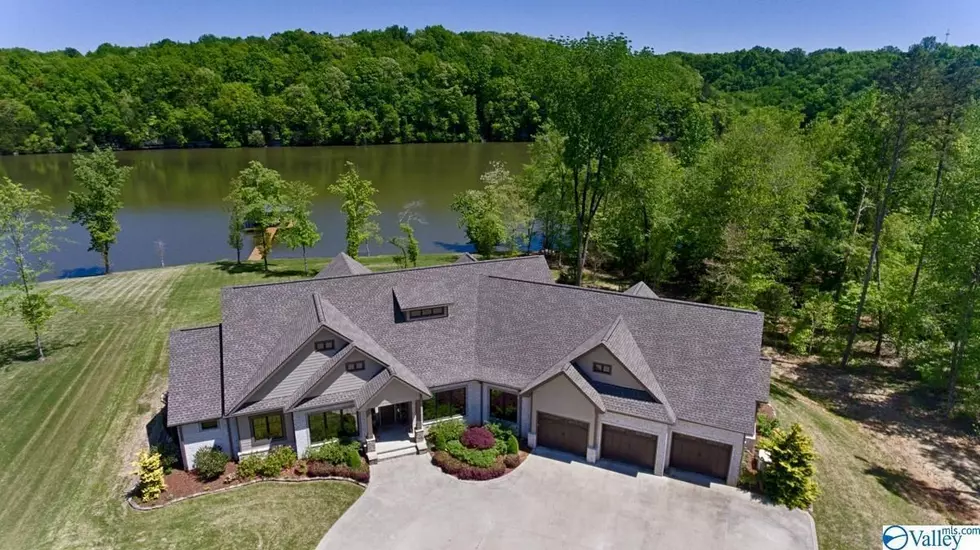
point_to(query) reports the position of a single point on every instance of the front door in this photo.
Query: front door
(399, 414)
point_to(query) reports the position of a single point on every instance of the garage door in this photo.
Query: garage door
(629, 446)
(562, 433)
(700, 455)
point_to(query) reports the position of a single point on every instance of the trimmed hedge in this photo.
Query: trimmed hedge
(512, 445)
(316, 468)
(336, 453)
(455, 467)
(448, 430)
(512, 461)
(481, 458)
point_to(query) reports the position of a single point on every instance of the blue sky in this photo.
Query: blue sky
(687, 25)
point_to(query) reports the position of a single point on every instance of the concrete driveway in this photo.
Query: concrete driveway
(554, 501)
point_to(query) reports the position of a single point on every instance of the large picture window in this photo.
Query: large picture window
(445, 404)
(328, 425)
(268, 426)
(503, 405)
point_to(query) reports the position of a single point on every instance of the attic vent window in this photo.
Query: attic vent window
(324, 345)
(426, 313)
(602, 368)
(355, 365)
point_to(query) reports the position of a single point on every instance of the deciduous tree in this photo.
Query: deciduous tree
(359, 207)
(94, 207)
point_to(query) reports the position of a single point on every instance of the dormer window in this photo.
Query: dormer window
(427, 312)
(602, 368)
(354, 366)
(323, 345)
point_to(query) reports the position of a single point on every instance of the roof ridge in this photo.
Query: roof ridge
(318, 307)
(614, 293)
(202, 327)
(440, 266)
(612, 328)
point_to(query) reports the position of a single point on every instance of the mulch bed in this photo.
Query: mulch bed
(466, 472)
(182, 484)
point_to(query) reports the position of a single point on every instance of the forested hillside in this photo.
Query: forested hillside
(385, 86)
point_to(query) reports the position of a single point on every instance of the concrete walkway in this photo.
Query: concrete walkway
(554, 501)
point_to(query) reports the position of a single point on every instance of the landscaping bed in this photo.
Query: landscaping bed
(475, 452)
(215, 472)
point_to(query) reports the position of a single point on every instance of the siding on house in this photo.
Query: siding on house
(340, 380)
(619, 377)
(560, 397)
(298, 368)
(193, 438)
(247, 446)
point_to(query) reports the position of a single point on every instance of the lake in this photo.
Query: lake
(176, 196)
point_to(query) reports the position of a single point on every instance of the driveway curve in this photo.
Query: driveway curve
(554, 502)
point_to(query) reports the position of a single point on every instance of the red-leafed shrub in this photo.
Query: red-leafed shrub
(316, 468)
(477, 437)
(481, 474)
(512, 461)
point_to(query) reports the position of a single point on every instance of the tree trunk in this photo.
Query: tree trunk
(847, 253)
(238, 253)
(879, 223)
(583, 243)
(306, 268)
(37, 344)
(932, 214)
(959, 350)
(105, 258)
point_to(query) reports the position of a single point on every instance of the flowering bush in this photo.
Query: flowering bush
(477, 437)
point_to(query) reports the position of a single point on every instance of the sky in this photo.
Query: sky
(678, 25)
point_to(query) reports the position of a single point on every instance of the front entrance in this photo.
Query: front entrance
(393, 421)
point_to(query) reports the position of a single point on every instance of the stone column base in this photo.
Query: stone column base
(591, 454)
(532, 439)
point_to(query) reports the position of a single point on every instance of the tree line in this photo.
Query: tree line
(381, 86)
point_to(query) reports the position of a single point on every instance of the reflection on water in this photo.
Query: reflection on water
(175, 196)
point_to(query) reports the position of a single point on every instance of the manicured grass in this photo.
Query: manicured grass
(853, 474)
(70, 426)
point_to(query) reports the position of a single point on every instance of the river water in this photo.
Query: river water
(176, 197)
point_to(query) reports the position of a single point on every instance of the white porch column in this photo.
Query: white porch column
(301, 427)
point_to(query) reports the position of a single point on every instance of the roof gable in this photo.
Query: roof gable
(640, 289)
(194, 393)
(465, 259)
(574, 376)
(342, 265)
(421, 295)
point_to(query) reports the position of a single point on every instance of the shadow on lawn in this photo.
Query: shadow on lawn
(229, 266)
(952, 504)
(23, 351)
(893, 401)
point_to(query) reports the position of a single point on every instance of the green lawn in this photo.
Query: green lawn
(861, 486)
(71, 425)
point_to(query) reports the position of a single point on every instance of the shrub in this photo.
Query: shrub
(150, 474)
(209, 463)
(334, 452)
(301, 468)
(512, 445)
(789, 479)
(477, 437)
(512, 460)
(765, 425)
(256, 139)
(248, 467)
(169, 454)
(278, 459)
(439, 441)
(324, 469)
(447, 463)
(353, 458)
(499, 431)
(315, 468)
(450, 430)
(482, 474)
(481, 458)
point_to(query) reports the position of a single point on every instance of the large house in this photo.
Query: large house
(624, 376)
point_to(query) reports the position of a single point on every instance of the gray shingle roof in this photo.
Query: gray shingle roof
(423, 294)
(195, 375)
(765, 372)
(326, 400)
(508, 324)
(342, 265)
(640, 289)
(372, 387)
(632, 402)
(321, 372)
(705, 358)
(466, 258)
